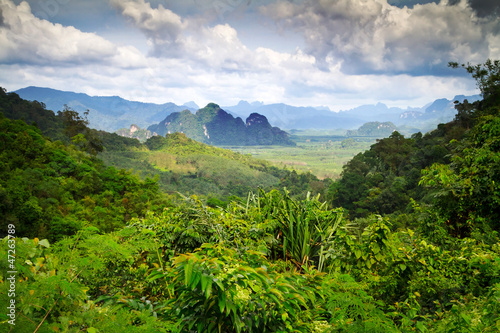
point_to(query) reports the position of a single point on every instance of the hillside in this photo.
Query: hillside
(214, 126)
(190, 167)
(51, 190)
(408, 241)
(179, 163)
(108, 113)
(373, 129)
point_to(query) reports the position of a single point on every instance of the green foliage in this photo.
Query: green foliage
(384, 179)
(111, 260)
(467, 190)
(487, 78)
(374, 129)
(51, 190)
(214, 126)
(190, 167)
(13, 107)
(57, 284)
(217, 291)
(306, 228)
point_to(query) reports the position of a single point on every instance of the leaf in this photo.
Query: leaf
(219, 284)
(208, 291)
(205, 279)
(44, 243)
(188, 271)
(466, 318)
(421, 326)
(222, 302)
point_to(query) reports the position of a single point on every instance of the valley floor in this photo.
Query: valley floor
(323, 156)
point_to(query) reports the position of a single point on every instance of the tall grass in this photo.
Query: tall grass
(306, 228)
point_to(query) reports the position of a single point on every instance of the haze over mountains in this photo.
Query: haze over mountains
(107, 113)
(113, 112)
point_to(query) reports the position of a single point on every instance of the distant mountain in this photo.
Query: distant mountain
(113, 113)
(378, 112)
(135, 132)
(438, 112)
(106, 113)
(191, 105)
(374, 129)
(213, 125)
(293, 117)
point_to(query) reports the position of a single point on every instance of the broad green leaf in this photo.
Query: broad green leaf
(188, 270)
(222, 301)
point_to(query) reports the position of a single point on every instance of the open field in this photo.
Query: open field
(322, 155)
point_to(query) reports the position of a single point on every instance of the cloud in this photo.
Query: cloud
(190, 38)
(372, 36)
(191, 58)
(161, 26)
(483, 8)
(26, 38)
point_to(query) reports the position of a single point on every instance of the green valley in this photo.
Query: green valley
(323, 156)
(102, 233)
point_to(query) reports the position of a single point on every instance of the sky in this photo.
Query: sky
(334, 53)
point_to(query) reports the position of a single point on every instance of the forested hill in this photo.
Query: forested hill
(212, 125)
(187, 166)
(51, 190)
(415, 249)
(454, 167)
(53, 181)
(107, 113)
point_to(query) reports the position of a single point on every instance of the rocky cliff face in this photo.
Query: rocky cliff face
(214, 126)
(135, 132)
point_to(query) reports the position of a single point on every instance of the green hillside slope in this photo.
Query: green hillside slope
(179, 163)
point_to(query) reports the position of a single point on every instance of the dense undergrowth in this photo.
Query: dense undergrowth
(414, 248)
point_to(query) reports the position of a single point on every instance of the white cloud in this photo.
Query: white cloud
(191, 59)
(171, 36)
(161, 26)
(26, 38)
(369, 36)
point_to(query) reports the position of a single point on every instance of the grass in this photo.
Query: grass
(322, 155)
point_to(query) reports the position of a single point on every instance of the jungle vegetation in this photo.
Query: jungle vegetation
(406, 241)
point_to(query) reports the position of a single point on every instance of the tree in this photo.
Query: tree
(76, 128)
(487, 78)
(74, 124)
(467, 190)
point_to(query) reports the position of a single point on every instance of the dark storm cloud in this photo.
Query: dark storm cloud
(483, 8)
(375, 37)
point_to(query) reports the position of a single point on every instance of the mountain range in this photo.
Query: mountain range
(113, 113)
(290, 117)
(107, 113)
(214, 126)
